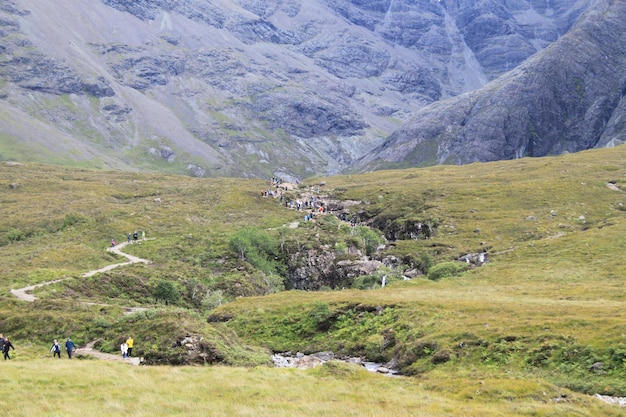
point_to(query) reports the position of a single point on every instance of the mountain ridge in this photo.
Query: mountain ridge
(246, 88)
(569, 97)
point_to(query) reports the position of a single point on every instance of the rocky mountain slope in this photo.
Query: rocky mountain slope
(567, 98)
(286, 88)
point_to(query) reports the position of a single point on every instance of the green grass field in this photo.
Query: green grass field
(47, 387)
(518, 336)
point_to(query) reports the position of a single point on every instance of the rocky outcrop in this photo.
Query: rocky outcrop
(314, 270)
(190, 349)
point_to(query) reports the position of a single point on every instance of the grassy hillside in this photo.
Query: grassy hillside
(38, 387)
(541, 318)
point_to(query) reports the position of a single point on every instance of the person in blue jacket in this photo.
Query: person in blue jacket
(70, 347)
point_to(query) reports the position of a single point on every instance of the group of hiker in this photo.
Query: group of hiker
(312, 203)
(70, 347)
(134, 237)
(127, 348)
(5, 345)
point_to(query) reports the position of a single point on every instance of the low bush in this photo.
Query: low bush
(444, 270)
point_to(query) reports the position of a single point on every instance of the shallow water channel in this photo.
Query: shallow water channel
(302, 361)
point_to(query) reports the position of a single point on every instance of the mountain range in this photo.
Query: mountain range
(292, 89)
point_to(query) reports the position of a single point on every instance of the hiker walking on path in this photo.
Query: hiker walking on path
(2, 339)
(5, 348)
(112, 242)
(129, 344)
(128, 237)
(70, 347)
(143, 235)
(56, 349)
(135, 236)
(124, 348)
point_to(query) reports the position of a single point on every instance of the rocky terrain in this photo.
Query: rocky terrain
(294, 88)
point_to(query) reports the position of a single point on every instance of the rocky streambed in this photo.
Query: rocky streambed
(302, 361)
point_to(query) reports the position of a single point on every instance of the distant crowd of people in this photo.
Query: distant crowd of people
(312, 202)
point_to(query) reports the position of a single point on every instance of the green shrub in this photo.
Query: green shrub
(15, 235)
(341, 247)
(369, 239)
(321, 314)
(441, 356)
(366, 282)
(426, 262)
(409, 353)
(444, 270)
(257, 248)
(213, 299)
(166, 291)
(71, 219)
(376, 279)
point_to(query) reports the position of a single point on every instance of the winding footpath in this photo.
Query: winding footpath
(88, 350)
(25, 294)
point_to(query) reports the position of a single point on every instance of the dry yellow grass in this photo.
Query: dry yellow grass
(51, 387)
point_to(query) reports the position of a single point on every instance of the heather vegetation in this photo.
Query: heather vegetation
(533, 328)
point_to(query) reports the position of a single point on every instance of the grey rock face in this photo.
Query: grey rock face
(567, 98)
(312, 270)
(251, 87)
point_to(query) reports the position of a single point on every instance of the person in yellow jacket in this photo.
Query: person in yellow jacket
(129, 342)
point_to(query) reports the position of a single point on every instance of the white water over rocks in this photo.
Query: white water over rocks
(302, 361)
(621, 401)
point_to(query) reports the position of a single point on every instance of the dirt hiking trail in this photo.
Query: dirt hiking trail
(88, 350)
(25, 294)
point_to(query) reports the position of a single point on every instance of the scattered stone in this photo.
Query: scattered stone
(411, 273)
(596, 367)
(325, 356)
(613, 187)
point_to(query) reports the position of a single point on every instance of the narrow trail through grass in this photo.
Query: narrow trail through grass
(88, 350)
(24, 294)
